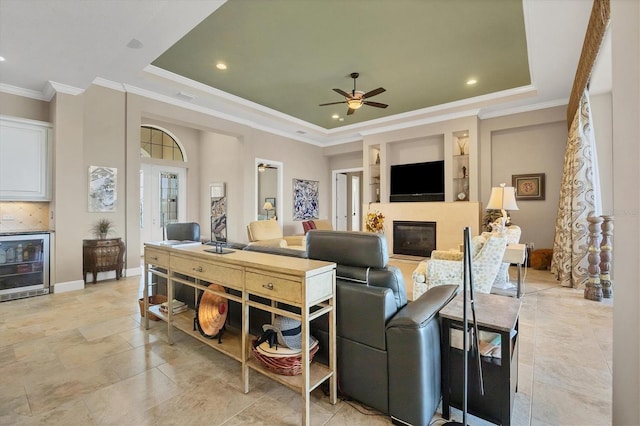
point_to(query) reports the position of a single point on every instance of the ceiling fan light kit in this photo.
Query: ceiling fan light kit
(357, 98)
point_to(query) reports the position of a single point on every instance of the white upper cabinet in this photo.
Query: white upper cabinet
(25, 160)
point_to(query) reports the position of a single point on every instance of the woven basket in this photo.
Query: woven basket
(286, 366)
(153, 300)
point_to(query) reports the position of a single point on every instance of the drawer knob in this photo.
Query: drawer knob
(154, 258)
(198, 269)
(268, 286)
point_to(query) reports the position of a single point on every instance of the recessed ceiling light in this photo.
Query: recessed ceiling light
(340, 119)
(335, 116)
(221, 66)
(2, 59)
(471, 81)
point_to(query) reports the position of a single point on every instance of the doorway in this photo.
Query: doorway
(163, 200)
(347, 199)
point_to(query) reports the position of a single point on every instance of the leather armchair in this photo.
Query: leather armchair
(388, 351)
(188, 231)
(269, 233)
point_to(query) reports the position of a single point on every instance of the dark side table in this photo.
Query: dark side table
(496, 314)
(102, 255)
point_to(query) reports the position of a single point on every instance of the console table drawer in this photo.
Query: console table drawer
(204, 270)
(274, 287)
(156, 257)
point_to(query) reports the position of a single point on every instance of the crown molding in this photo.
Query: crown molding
(99, 81)
(26, 93)
(54, 87)
(524, 108)
(211, 112)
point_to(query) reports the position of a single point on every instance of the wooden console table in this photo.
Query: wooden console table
(494, 314)
(101, 256)
(301, 283)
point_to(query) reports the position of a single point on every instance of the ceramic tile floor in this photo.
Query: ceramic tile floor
(82, 358)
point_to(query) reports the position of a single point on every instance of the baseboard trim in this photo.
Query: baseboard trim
(68, 286)
(133, 272)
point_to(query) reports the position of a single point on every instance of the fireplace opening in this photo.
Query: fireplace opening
(414, 238)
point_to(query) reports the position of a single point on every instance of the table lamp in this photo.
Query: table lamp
(268, 207)
(503, 198)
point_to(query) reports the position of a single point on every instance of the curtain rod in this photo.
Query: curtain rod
(597, 28)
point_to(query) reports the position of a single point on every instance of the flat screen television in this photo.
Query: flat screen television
(417, 182)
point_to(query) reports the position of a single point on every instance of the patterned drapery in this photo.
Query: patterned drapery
(579, 198)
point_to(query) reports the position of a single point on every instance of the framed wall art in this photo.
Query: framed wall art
(305, 199)
(529, 186)
(102, 189)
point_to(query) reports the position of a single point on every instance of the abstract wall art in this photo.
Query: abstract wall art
(305, 199)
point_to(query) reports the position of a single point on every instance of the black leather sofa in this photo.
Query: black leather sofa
(388, 351)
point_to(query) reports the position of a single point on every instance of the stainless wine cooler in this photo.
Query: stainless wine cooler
(24, 265)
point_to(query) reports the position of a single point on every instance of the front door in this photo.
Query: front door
(163, 200)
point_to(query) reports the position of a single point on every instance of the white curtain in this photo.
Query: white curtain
(579, 198)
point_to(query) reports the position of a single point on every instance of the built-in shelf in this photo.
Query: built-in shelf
(460, 166)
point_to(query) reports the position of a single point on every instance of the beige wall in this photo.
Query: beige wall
(19, 106)
(625, 47)
(451, 218)
(531, 142)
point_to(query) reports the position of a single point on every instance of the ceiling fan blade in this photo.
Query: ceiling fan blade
(350, 111)
(374, 92)
(343, 93)
(333, 103)
(375, 104)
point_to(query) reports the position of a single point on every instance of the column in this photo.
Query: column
(606, 255)
(593, 289)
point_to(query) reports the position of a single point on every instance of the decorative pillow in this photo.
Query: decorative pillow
(308, 225)
(476, 244)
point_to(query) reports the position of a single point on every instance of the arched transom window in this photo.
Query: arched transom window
(156, 143)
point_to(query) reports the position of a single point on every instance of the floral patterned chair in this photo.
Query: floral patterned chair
(445, 267)
(512, 234)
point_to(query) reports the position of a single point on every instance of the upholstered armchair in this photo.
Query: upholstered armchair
(269, 233)
(512, 234)
(445, 267)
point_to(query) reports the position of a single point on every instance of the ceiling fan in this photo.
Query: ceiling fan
(357, 98)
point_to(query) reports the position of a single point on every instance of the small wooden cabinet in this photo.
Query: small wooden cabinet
(101, 256)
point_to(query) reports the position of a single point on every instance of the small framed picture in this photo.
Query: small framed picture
(271, 200)
(529, 186)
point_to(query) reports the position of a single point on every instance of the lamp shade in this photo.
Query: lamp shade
(503, 198)
(268, 206)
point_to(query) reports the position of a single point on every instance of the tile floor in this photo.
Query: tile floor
(82, 358)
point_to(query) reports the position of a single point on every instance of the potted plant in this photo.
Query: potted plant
(102, 228)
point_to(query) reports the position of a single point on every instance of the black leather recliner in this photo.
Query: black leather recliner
(388, 351)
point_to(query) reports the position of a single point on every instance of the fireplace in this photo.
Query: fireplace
(414, 238)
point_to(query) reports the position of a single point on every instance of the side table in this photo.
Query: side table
(496, 314)
(102, 255)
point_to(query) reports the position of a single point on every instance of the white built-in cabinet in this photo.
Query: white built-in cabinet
(25, 159)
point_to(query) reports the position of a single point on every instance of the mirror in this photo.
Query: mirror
(268, 189)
